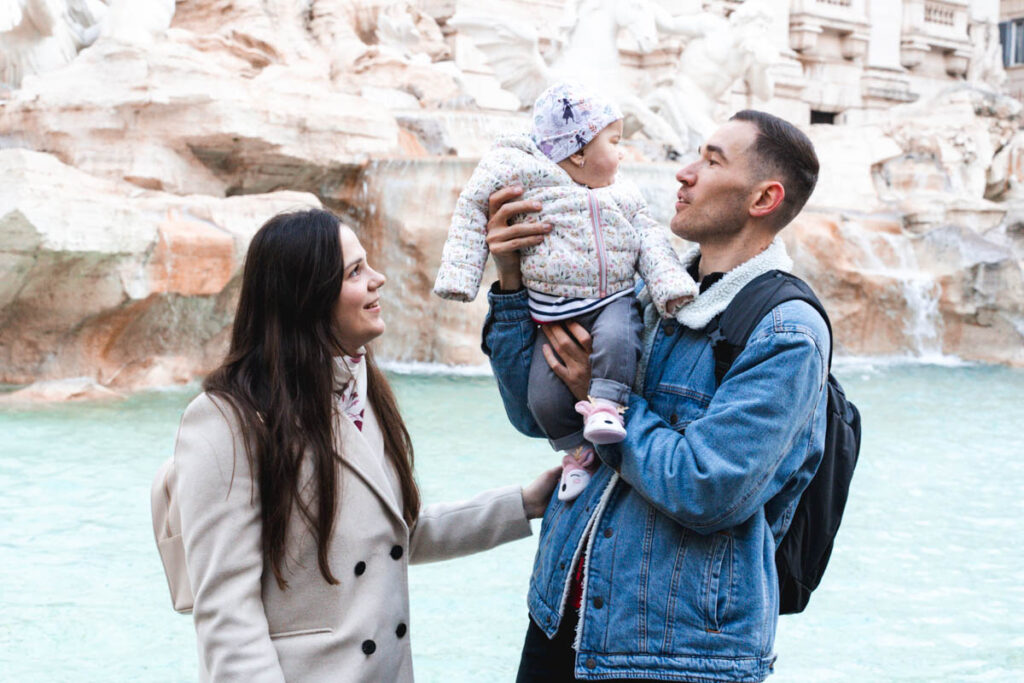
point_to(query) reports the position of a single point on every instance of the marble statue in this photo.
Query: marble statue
(410, 31)
(587, 53)
(41, 35)
(679, 112)
(986, 66)
(718, 53)
(137, 21)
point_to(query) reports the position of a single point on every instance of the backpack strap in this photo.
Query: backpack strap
(730, 330)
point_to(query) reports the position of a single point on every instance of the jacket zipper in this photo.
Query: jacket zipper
(602, 265)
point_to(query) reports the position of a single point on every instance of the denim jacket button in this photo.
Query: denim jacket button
(590, 663)
(670, 329)
(598, 602)
(608, 532)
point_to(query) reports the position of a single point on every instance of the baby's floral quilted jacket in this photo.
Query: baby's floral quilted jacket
(600, 238)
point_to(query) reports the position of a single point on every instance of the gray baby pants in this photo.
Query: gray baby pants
(615, 334)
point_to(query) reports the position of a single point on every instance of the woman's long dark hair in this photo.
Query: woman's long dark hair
(278, 379)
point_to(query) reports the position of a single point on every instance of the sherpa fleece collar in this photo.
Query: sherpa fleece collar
(698, 313)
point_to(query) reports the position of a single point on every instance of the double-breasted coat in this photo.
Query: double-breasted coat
(247, 628)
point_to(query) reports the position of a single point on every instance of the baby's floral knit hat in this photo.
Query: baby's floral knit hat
(567, 116)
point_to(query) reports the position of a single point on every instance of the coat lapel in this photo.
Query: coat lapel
(357, 421)
(358, 457)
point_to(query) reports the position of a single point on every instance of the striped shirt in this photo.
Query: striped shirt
(545, 308)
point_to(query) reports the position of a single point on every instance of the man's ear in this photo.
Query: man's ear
(770, 196)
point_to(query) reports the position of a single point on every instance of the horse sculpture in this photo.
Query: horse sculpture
(41, 35)
(587, 53)
(721, 51)
(679, 112)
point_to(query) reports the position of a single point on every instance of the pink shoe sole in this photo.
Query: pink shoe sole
(572, 484)
(602, 428)
(603, 423)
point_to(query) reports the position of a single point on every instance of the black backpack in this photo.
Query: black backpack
(801, 557)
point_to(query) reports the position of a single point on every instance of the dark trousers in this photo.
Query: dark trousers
(552, 661)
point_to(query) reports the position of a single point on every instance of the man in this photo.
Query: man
(669, 551)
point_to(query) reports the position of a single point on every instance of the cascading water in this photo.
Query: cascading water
(922, 294)
(892, 256)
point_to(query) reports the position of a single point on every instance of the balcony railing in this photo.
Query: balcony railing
(936, 26)
(846, 19)
(938, 14)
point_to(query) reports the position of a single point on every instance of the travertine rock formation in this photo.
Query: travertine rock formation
(59, 390)
(902, 240)
(951, 291)
(176, 117)
(105, 280)
(132, 178)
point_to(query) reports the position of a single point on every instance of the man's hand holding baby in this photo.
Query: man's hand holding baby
(504, 241)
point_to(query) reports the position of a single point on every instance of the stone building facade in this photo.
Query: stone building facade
(1011, 36)
(845, 60)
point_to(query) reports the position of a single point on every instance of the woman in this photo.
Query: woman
(295, 477)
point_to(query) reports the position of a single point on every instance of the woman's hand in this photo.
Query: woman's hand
(504, 241)
(537, 494)
(568, 355)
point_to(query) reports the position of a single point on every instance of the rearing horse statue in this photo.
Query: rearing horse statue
(587, 54)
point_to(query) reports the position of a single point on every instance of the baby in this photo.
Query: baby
(601, 235)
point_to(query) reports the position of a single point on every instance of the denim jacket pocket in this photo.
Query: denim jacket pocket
(718, 582)
(678, 405)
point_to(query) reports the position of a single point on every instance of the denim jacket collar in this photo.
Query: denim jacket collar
(697, 314)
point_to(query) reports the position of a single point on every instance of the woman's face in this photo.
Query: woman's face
(357, 315)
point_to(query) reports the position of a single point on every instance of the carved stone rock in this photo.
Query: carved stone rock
(105, 280)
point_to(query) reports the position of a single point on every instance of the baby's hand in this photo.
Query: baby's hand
(675, 304)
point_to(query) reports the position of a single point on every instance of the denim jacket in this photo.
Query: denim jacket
(682, 519)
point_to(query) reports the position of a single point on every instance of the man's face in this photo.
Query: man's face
(717, 188)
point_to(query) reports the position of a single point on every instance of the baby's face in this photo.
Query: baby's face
(601, 157)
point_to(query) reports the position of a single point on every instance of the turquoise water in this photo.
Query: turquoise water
(926, 583)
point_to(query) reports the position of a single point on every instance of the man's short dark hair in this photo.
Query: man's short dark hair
(787, 153)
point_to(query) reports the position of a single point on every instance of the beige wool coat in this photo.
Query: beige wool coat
(250, 630)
